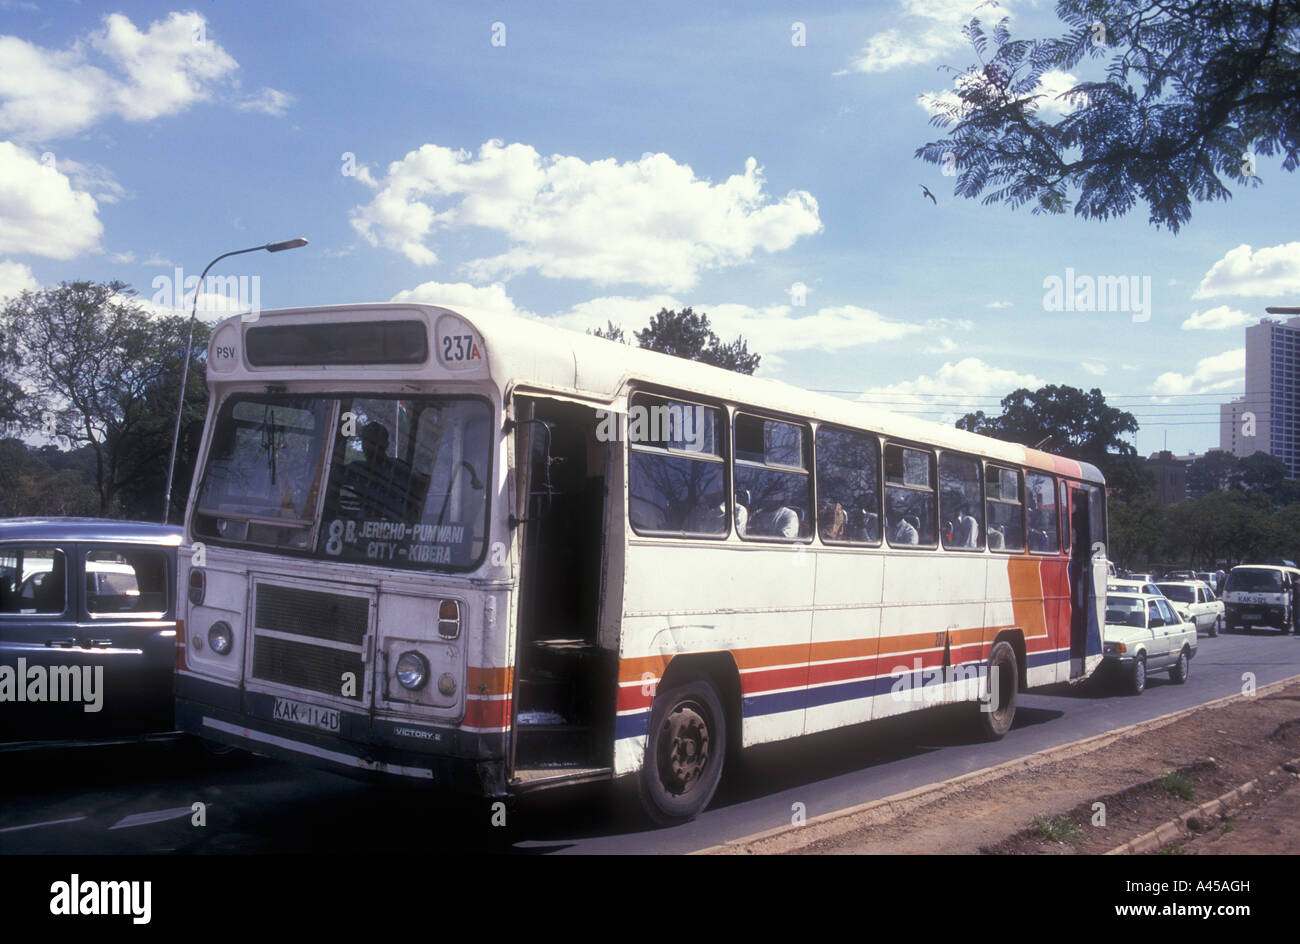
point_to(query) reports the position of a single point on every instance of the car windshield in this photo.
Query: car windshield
(1177, 592)
(1257, 581)
(380, 479)
(1126, 611)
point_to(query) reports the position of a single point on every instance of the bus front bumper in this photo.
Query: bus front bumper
(211, 711)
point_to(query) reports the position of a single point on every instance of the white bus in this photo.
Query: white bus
(498, 556)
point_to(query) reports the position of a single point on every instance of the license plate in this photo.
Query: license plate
(1250, 616)
(327, 719)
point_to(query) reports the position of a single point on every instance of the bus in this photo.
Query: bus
(496, 556)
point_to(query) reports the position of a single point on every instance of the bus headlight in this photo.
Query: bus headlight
(412, 670)
(220, 637)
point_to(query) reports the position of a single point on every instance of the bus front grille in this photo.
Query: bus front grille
(308, 639)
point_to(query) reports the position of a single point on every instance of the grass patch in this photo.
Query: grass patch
(1178, 784)
(1055, 828)
(1172, 850)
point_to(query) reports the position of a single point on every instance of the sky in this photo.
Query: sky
(594, 162)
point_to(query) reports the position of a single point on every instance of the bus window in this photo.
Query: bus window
(909, 497)
(960, 506)
(848, 487)
(1006, 513)
(1044, 535)
(773, 487)
(676, 471)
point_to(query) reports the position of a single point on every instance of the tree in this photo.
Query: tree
(102, 368)
(1069, 422)
(1212, 472)
(686, 334)
(13, 412)
(1193, 90)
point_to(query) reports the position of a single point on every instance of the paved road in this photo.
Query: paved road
(140, 799)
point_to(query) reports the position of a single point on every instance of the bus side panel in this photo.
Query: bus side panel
(759, 602)
(932, 614)
(1056, 591)
(844, 675)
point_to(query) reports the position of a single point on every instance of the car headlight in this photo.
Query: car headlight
(220, 637)
(412, 670)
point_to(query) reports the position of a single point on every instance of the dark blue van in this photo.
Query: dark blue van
(87, 629)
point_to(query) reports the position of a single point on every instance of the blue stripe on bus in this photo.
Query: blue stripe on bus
(753, 706)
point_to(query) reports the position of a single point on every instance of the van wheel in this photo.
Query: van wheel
(1004, 685)
(1214, 630)
(685, 749)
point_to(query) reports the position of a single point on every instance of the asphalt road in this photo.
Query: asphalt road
(141, 798)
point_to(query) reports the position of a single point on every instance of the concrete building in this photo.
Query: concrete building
(1267, 418)
(1170, 473)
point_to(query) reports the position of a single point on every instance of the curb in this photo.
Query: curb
(889, 807)
(1177, 828)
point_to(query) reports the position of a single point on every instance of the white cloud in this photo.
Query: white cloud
(998, 305)
(40, 211)
(461, 295)
(1273, 270)
(650, 222)
(122, 257)
(157, 259)
(1216, 319)
(116, 71)
(957, 388)
(1094, 368)
(95, 179)
(16, 278)
(941, 346)
(268, 101)
(1224, 371)
(929, 29)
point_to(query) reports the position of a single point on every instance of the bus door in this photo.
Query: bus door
(565, 682)
(1084, 618)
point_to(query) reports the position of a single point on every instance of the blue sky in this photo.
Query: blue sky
(585, 162)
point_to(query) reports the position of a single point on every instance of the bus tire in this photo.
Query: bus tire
(686, 746)
(994, 724)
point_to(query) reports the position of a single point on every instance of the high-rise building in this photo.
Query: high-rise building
(1267, 418)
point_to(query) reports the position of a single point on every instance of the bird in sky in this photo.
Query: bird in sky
(925, 192)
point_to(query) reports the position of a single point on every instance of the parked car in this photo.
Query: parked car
(1143, 587)
(1195, 602)
(1144, 634)
(87, 629)
(1261, 595)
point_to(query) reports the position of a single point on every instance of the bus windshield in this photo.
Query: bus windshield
(378, 479)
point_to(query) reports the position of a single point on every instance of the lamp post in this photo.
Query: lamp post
(189, 340)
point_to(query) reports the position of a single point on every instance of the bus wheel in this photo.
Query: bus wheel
(685, 748)
(997, 714)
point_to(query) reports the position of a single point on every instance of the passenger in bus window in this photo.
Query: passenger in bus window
(742, 511)
(967, 532)
(908, 530)
(782, 522)
(376, 486)
(834, 522)
(997, 540)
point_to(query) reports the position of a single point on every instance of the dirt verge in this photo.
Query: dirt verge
(1099, 800)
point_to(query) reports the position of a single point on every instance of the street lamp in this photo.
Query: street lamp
(189, 340)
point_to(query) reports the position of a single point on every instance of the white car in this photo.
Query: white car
(1146, 588)
(1144, 634)
(1195, 602)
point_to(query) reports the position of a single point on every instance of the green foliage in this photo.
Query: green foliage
(1055, 828)
(44, 482)
(1178, 784)
(107, 373)
(1192, 89)
(1069, 422)
(686, 334)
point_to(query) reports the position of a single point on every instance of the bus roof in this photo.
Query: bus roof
(538, 355)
